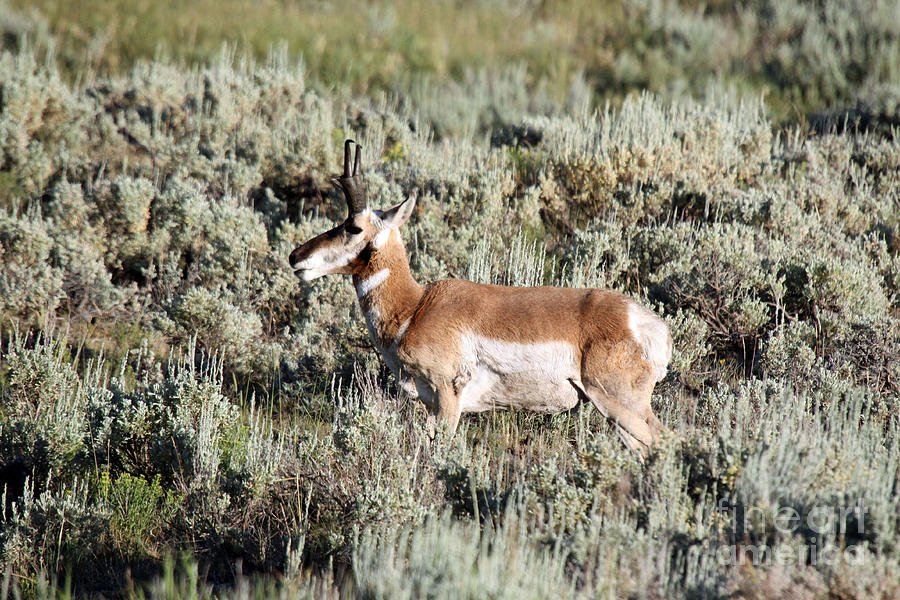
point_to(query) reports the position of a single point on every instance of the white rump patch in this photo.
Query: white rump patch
(370, 283)
(652, 334)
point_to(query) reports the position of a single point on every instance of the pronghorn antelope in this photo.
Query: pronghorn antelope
(463, 347)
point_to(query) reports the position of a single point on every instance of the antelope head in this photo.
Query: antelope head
(342, 250)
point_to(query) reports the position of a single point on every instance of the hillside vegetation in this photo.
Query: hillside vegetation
(181, 417)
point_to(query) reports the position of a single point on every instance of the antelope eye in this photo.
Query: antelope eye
(352, 229)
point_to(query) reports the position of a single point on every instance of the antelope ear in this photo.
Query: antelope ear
(396, 216)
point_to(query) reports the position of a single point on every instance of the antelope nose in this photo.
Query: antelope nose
(296, 257)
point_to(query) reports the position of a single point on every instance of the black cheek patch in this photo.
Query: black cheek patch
(366, 253)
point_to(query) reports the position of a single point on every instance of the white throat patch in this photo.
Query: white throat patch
(382, 237)
(365, 287)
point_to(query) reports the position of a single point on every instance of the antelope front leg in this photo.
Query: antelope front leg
(444, 409)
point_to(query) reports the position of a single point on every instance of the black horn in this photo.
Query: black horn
(352, 185)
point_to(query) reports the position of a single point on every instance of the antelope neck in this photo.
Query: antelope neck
(388, 294)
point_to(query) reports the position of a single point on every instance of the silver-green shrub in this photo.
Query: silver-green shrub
(30, 287)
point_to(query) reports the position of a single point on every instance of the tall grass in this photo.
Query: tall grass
(827, 62)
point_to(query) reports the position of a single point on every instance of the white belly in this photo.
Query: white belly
(535, 376)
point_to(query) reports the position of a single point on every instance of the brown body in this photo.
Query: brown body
(461, 346)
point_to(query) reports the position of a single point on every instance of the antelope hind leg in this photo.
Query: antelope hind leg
(635, 431)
